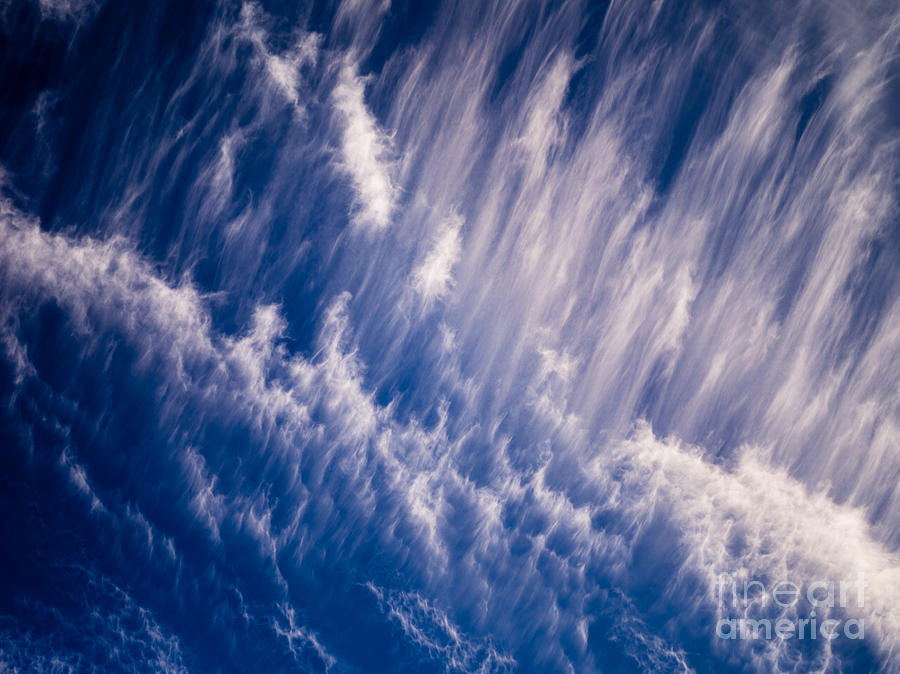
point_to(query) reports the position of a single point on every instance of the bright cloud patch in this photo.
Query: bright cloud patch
(365, 152)
(433, 278)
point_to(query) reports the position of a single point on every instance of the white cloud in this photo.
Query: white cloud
(300, 639)
(365, 152)
(544, 125)
(125, 632)
(425, 492)
(75, 11)
(283, 70)
(433, 278)
(582, 295)
(432, 630)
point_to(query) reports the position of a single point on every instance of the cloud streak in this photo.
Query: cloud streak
(365, 152)
(626, 325)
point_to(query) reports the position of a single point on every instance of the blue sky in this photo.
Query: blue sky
(447, 337)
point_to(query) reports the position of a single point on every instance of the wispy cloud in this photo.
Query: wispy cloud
(74, 11)
(282, 69)
(365, 152)
(514, 514)
(431, 629)
(653, 345)
(433, 278)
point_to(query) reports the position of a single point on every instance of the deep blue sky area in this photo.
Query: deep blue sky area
(384, 336)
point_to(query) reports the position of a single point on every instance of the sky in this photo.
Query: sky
(480, 336)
